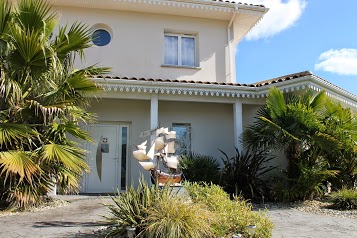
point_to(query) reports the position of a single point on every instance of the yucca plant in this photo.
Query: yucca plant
(42, 101)
(131, 207)
(243, 173)
(156, 212)
(200, 168)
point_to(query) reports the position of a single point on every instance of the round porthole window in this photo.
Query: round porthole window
(101, 37)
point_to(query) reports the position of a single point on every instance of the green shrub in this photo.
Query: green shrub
(172, 217)
(243, 173)
(308, 184)
(200, 168)
(345, 199)
(231, 216)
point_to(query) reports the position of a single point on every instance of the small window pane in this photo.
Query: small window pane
(183, 138)
(188, 51)
(101, 37)
(171, 50)
(124, 139)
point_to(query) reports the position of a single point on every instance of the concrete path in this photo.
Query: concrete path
(81, 217)
(78, 219)
(291, 223)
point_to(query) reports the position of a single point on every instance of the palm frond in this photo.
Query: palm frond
(36, 15)
(319, 101)
(5, 16)
(276, 103)
(11, 134)
(70, 157)
(18, 163)
(76, 39)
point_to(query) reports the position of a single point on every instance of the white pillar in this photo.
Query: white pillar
(154, 117)
(238, 123)
(154, 111)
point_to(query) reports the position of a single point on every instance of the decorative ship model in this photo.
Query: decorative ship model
(161, 155)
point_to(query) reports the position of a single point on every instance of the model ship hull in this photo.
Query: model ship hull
(163, 178)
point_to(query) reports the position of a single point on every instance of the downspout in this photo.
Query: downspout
(229, 43)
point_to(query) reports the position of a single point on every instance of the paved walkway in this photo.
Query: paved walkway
(80, 218)
(296, 224)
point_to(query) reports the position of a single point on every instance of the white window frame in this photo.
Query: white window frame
(179, 56)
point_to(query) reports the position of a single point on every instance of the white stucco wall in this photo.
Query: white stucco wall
(211, 123)
(137, 46)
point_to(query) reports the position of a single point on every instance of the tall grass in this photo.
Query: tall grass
(231, 216)
(171, 217)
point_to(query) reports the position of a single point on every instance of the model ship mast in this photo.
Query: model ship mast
(160, 156)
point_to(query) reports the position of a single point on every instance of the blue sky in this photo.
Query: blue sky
(299, 35)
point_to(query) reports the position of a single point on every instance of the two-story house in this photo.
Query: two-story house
(173, 65)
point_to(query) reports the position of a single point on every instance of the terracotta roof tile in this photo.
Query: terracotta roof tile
(166, 80)
(254, 85)
(240, 3)
(283, 78)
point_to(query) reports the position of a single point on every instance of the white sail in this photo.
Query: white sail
(142, 146)
(171, 135)
(160, 131)
(147, 165)
(170, 147)
(140, 155)
(159, 143)
(166, 149)
(172, 162)
(151, 152)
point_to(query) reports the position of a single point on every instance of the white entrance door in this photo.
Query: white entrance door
(107, 158)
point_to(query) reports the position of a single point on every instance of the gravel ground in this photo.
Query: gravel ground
(311, 219)
(79, 218)
(316, 207)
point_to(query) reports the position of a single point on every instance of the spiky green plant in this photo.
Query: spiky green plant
(131, 207)
(42, 101)
(156, 212)
(244, 173)
(345, 199)
(200, 168)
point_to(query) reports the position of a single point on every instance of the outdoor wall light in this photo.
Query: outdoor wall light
(251, 229)
(130, 231)
(237, 236)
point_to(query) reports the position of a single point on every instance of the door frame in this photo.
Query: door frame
(120, 125)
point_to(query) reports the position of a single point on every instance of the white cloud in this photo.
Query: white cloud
(343, 61)
(282, 15)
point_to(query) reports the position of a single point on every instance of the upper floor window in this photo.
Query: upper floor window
(180, 50)
(101, 37)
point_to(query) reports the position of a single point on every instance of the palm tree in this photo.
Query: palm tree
(341, 123)
(43, 99)
(288, 122)
(293, 123)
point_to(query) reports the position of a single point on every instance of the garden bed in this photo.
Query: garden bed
(46, 205)
(312, 206)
